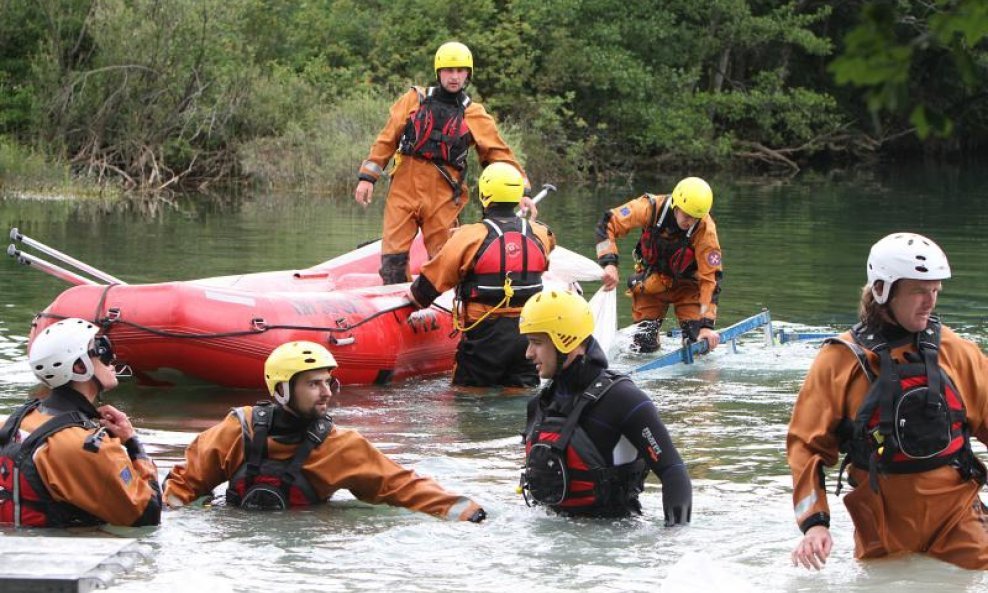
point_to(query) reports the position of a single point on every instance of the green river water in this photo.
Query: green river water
(795, 246)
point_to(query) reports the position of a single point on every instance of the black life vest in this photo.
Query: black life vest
(273, 484)
(664, 248)
(912, 418)
(437, 131)
(565, 470)
(510, 249)
(24, 498)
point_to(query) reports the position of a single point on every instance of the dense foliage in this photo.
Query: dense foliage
(181, 93)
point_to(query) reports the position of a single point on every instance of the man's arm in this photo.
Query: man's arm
(643, 427)
(709, 270)
(613, 225)
(348, 460)
(210, 460)
(449, 266)
(97, 473)
(384, 147)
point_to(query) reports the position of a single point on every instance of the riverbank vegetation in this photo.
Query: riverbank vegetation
(158, 96)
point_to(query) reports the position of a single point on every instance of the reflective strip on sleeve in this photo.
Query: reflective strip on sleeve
(372, 168)
(803, 506)
(603, 248)
(457, 509)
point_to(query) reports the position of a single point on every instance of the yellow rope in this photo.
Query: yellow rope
(506, 302)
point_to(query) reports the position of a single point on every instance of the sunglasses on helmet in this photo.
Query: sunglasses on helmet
(102, 349)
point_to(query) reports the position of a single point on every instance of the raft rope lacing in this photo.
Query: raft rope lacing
(259, 326)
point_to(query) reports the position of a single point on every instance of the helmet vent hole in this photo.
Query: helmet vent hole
(310, 360)
(57, 364)
(922, 269)
(921, 257)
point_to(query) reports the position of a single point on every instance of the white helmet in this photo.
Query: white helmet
(56, 350)
(904, 255)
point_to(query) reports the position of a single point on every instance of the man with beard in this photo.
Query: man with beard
(290, 454)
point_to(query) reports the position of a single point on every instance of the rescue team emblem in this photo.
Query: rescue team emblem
(512, 249)
(713, 258)
(625, 211)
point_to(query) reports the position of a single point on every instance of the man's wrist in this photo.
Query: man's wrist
(815, 520)
(135, 449)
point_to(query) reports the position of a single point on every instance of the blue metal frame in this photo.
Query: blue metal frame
(686, 355)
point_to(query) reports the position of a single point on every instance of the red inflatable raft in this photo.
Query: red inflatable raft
(222, 329)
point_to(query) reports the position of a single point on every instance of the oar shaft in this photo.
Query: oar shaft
(16, 235)
(546, 188)
(49, 268)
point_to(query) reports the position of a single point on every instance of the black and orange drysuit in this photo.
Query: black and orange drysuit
(421, 195)
(491, 351)
(675, 266)
(938, 511)
(88, 476)
(344, 460)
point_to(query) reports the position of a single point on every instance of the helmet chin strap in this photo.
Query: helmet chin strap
(280, 397)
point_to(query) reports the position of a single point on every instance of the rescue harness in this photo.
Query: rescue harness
(510, 248)
(912, 419)
(657, 252)
(24, 498)
(565, 470)
(267, 484)
(437, 132)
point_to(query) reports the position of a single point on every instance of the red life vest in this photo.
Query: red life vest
(437, 131)
(665, 248)
(912, 419)
(510, 249)
(564, 469)
(24, 499)
(273, 484)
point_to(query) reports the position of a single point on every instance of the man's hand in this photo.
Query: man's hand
(814, 548)
(116, 423)
(610, 278)
(528, 208)
(365, 189)
(712, 337)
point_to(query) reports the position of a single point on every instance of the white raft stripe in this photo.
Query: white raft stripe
(235, 299)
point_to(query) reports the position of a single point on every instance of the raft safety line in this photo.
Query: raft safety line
(259, 326)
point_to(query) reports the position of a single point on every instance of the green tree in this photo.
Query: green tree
(927, 61)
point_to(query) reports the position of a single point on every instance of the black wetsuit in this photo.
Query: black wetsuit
(624, 425)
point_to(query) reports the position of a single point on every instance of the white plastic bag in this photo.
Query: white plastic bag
(604, 307)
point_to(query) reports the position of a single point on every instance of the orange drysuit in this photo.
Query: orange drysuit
(91, 470)
(491, 351)
(688, 277)
(937, 512)
(345, 460)
(419, 195)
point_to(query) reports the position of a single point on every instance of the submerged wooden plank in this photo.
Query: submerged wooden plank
(63, 564)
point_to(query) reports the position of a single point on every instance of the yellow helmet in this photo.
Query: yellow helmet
(290, 359)
(565, 316)
(693, 196)
(501, 182)
(453, 54)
